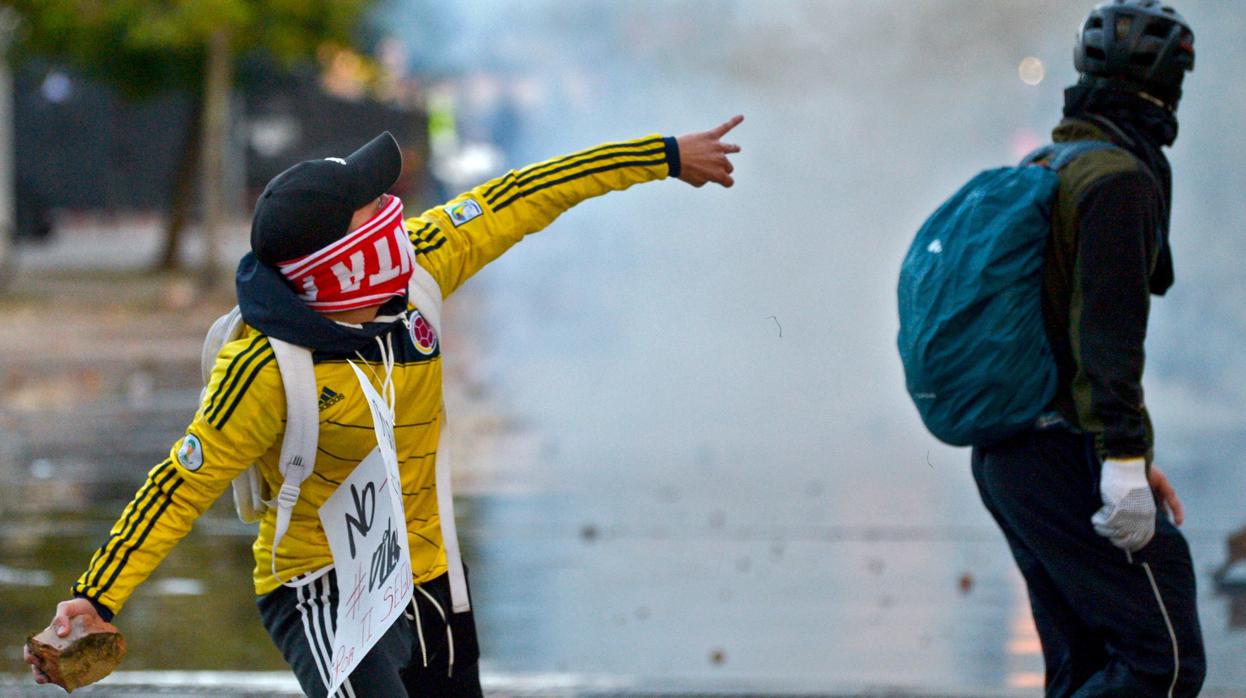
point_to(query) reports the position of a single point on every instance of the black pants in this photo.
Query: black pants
(1111, 624)
(415, 657)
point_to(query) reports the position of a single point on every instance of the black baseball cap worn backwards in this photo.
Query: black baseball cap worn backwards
(310, 205)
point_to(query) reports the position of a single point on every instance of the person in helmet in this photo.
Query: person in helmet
(1110, 578)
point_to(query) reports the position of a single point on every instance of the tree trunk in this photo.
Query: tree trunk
(183, 195)
(216, 88)
(8, 195)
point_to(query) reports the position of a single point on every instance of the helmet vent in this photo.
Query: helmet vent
(1157, 30)
(1122, 27)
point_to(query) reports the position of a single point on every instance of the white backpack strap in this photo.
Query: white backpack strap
(247, 487)
(424, 293)
(298, 446)
(225, 330)
(249, 500)
(449, 532)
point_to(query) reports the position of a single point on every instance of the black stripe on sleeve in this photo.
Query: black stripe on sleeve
(229, 371)
(523, 181)
(430, 236)
(578, 175)
(115, 540)
(431, 248)
(243, 391)
(415, 235)
(574, 161)
(505, 181)
(85, 582)
(266, 351)
(427, 238)
(532, 169)
(168, 499)
(147, 492)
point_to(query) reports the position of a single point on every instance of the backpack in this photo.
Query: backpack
(252, 497)
(977, 362)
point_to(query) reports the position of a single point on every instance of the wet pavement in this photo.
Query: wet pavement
(689, 465)
(606, 560)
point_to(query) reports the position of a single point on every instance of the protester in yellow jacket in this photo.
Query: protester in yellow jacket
(330, 262)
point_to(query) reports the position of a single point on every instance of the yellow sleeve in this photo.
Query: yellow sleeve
(458, 239)
(239, 419)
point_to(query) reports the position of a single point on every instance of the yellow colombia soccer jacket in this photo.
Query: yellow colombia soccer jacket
(241, 419)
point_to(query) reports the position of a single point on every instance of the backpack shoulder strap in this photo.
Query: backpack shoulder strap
(1065, 153)
(424, 293)
(298, 446)
(1057, 156)
(247, 487)
(226, 329)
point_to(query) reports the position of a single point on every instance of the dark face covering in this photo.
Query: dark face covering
(1158, 123)
(1146, 127)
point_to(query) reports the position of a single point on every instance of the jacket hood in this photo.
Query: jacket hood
(269, 305)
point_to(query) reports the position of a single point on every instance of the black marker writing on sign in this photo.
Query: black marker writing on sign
(365, 510)
(386, 557)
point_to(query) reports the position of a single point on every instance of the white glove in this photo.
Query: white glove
(1127, 517)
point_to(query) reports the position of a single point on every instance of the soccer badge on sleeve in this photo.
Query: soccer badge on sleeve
(463, 211)
(190, 453)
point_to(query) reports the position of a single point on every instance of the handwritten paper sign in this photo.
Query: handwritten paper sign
(366, 525)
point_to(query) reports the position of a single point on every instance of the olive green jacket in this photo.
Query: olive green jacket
(1107, 233)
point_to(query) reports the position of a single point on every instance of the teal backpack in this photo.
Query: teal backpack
(976, 358)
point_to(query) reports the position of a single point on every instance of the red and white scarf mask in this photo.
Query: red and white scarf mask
(368, 266)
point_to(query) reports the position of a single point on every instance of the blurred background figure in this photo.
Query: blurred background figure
(694, 456)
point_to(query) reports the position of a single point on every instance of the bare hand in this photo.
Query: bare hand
(65, 610)
(703, 156)
(1168, 500)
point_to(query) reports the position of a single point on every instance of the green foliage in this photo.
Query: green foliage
(144, 47)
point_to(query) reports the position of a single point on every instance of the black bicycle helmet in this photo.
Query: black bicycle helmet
(1144, 44)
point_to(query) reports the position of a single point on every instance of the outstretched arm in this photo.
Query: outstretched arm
(456, 240)
(238, 419)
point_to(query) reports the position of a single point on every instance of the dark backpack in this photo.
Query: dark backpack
(976, 358)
